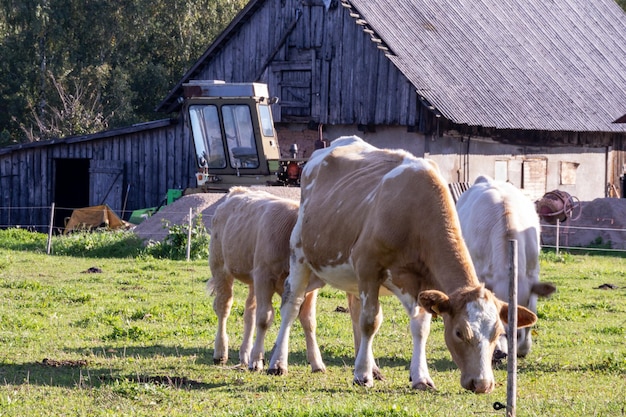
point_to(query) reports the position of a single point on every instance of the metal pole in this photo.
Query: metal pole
(189, 237)
(558, 233)
(49, 248)
(511, 389)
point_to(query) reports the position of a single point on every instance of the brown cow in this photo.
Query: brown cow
(250, 242)
(376, 221)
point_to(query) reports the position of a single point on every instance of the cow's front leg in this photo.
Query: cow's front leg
(370, 320)
(420, 329)
(222, 304)
(249, 317)
(264, 319)
(293, 297)
(354, 305)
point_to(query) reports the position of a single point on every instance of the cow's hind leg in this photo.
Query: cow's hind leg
(309, 325)
(222, 285)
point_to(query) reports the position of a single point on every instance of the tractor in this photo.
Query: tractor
(234, 138)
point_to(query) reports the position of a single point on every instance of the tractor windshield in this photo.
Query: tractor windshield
(239, 149)
(240, 136)
(207, 136)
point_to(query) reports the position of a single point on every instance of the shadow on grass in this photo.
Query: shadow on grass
(84, 372)
(87, 372)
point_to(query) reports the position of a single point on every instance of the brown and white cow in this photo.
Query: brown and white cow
(491, 213)
(376, 221)
(250, 242)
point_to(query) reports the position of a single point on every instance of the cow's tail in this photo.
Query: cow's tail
(210, 286)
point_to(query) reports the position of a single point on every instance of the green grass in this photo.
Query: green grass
(137, 339)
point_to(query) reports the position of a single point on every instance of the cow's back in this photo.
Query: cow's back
(491, 214)
(355, 195)
(250, 228)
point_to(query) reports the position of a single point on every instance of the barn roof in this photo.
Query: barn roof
(557, 65)
(136, 128)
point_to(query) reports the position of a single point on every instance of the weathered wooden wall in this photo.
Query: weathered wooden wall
(153, 158)
(327, 70)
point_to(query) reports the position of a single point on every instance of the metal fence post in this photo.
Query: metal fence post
(511, 388)
(49, 247)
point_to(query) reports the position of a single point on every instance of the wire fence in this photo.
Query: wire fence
(557, 237)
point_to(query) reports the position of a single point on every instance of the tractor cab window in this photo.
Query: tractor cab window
(267, 125)
(207, 136)
(242, 150)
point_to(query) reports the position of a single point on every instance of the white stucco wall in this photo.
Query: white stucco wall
(582, 172)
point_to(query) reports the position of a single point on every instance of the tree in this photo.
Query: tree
(126, 55)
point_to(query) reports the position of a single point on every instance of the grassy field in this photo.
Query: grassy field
(136, 339)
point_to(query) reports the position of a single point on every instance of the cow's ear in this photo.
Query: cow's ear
(525, 317)
(435, 302)
(543, 289)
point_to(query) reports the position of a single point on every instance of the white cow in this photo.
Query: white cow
(491, 213)
(375, 221)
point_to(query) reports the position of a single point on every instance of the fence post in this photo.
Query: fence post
(558, 234)
(189, 237)
(49, 248)
(511, 386)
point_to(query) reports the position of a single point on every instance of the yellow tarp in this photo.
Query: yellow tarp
(95, 216)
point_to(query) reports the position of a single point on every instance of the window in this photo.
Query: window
(240, 136)
(207, 136)
(267, 126)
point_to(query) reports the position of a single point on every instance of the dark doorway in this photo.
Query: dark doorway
(71, 188)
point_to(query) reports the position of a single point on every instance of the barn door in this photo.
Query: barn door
(295, 87)
(107, 184)
(71, 187)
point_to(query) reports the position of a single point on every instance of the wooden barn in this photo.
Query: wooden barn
(522, 91)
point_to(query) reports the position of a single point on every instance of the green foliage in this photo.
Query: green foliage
(101, 243)
(174, 246)
(22, 239)
(122, 57)
(98, 244)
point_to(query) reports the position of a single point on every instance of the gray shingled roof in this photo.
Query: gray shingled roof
(556, 65)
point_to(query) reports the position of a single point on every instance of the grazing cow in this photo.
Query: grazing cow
(376, 221)
(250, 242)
(491, 213)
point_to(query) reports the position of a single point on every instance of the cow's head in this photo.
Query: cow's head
(527, 296)
(473, 320)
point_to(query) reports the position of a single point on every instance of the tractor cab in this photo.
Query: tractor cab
(233, 134)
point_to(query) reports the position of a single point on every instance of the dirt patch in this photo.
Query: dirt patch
(601, 223)
(156, 227)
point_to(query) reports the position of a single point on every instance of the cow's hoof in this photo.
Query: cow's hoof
(425, 386)
(257, 366)
(378, 376)
(277, 371)
(220, 361)
(365, 382)
(321, 369)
